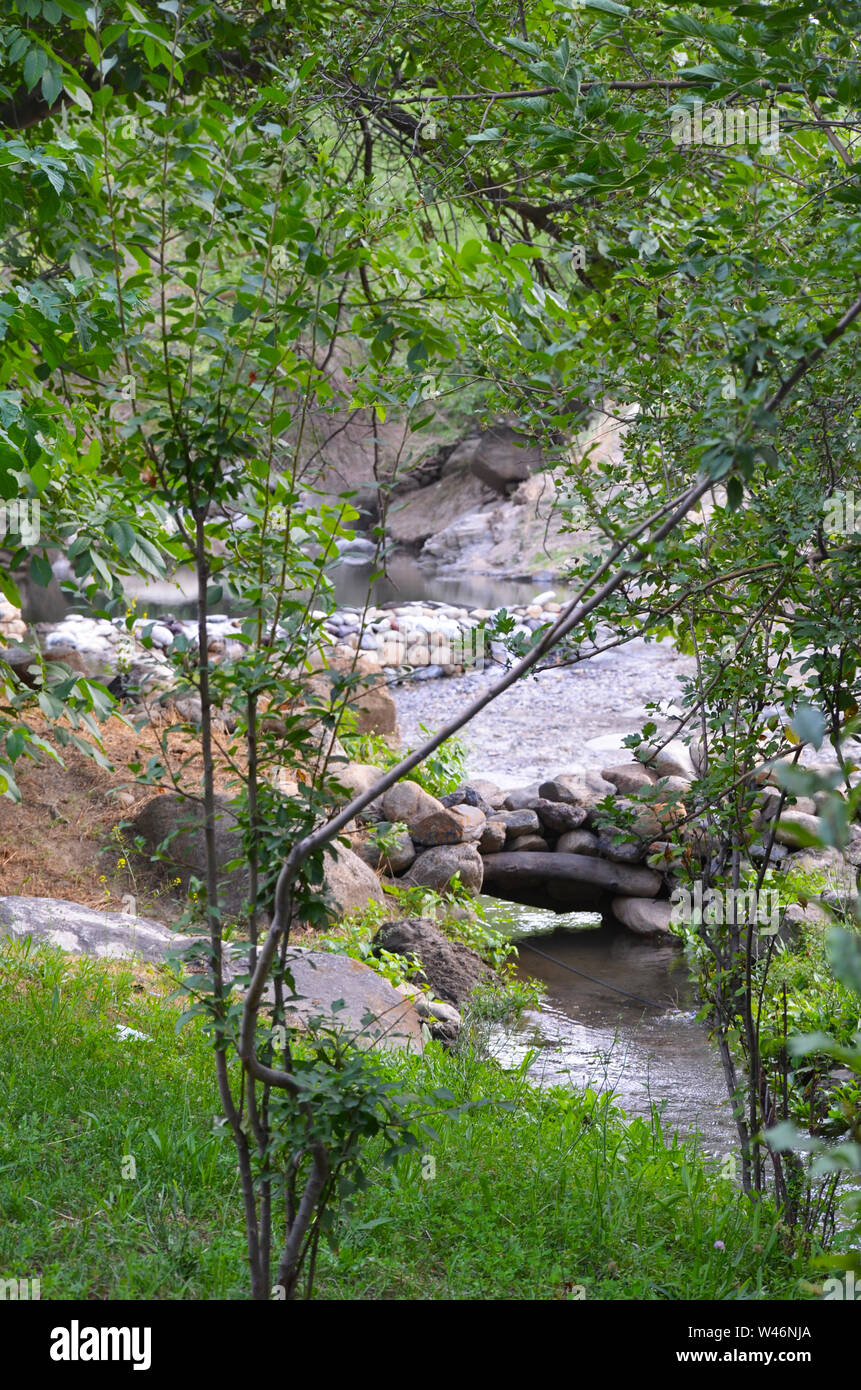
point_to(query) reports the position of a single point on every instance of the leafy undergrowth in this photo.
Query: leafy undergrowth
(526, 1196)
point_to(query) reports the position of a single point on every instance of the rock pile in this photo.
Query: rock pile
(430, 639)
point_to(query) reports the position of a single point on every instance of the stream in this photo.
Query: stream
(586, 1033)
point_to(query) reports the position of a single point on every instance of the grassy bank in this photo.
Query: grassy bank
(551, 1192)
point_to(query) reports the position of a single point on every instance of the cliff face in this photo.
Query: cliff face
(490, 503)
(487, 503)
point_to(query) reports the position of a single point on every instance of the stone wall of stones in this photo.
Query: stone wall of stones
(431, 639)
(550, 844)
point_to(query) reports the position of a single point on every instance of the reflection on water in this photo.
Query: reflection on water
(586, 1033)
(407, 580)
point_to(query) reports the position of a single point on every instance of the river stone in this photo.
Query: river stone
(678, 785)
(177, 823)
(349, 883)
(86, 931)
(559, 816)
(467, 796)
(629, 777)
(520, 798)
(528, 844)
(409, 803)
(626, 852)
(489, 792)
(675, 760)
(569, 788)
(444, 1020)
(435, 868)
(374, 1013)
(520, 822)
(644, 916)
(472, 821)
(451, 969)
(395, 859)
(577, 869)
(794, 828)
(356, 778)
(442, 827)
(492, 837)
(577, 842)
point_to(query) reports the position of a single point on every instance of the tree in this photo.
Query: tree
(214, 229)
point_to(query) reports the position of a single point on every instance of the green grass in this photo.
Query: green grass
(553, 1191)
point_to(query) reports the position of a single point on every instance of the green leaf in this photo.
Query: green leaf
(8, 588)
(40, 569)
(844, 950)
(52, 85)
(15, 744)
(34, 65)
(607, 6)
(808, 723)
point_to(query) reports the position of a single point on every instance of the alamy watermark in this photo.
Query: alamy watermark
(717, 907)
(23, 1289)
(841, 516)
(718, 125)
(21, 517)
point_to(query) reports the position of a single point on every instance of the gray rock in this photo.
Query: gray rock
(349, 883)
(629, 777)
(520, 822)
(176, 823)
(374, 1013)
(569, 788)
(570, 871)
(395, 859)
(85, 931)
(521, 798)
(528, 844)
(795, 827)
(644, 916)
(675, 761)
(559, 816)
(451, 969)
(577, 842)
(427, 673)
(627, 852)
(409, 803)
(435, 868)
(356, 778)
(492, 837)
(505, 457)
(489, 792)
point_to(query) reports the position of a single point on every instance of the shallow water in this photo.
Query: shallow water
(406, 580)
(587, 1033)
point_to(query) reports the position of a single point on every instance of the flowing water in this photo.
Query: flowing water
(648, 1050)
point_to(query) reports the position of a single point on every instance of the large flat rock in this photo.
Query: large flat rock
(86, 931)
(374, 1012)
(562, 881)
